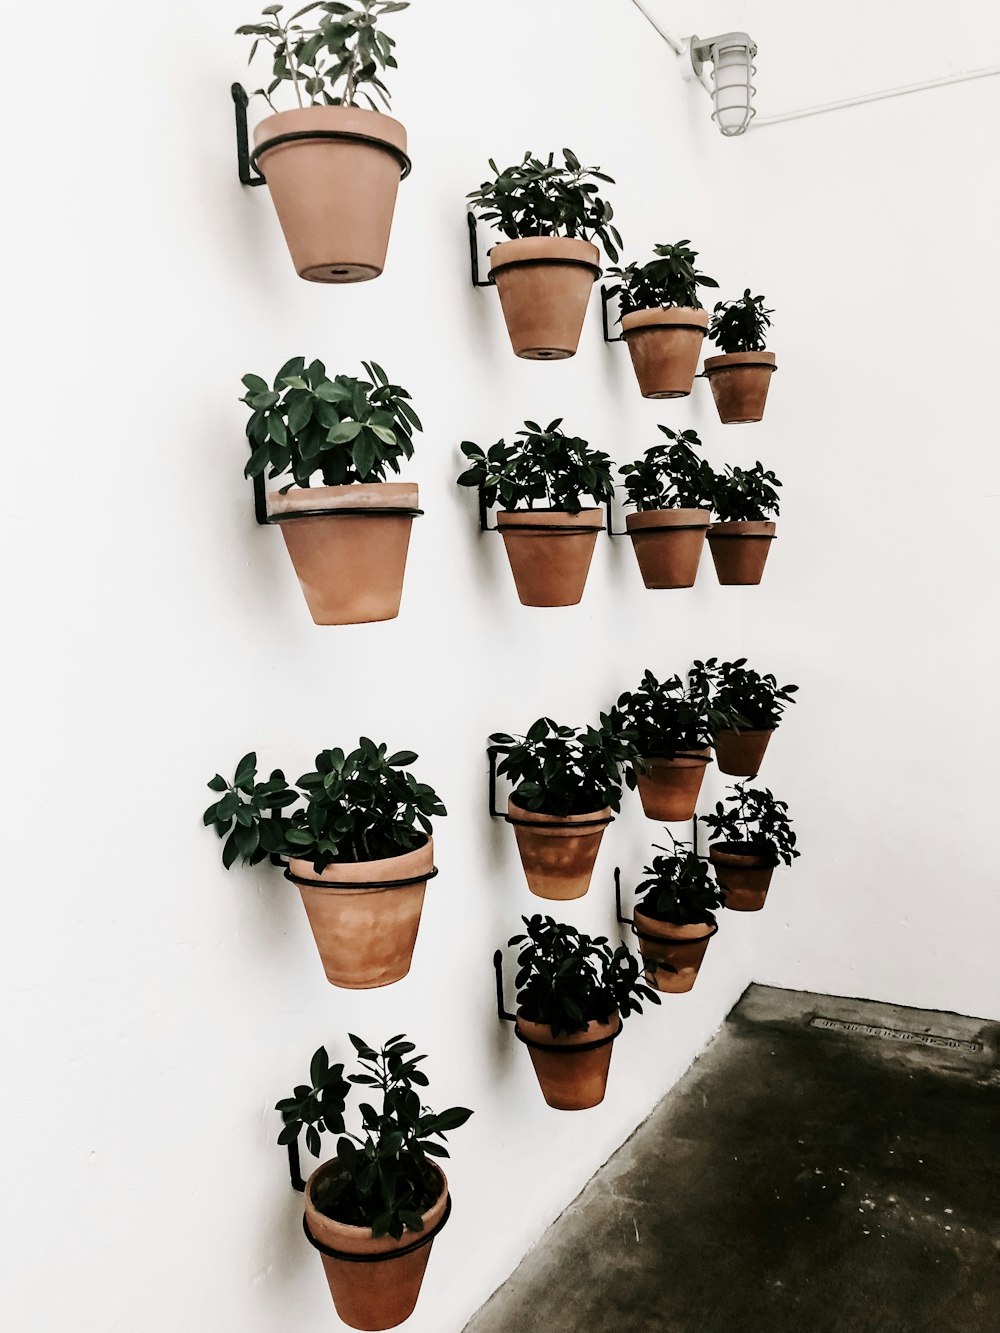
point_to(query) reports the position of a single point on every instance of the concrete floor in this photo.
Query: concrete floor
(800, 1177)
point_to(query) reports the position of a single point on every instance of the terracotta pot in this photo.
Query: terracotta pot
(557, 853)
(744, 873)
(365, 937)
(350, 566)
(573, 1082)
(680, 948)
(740, 381)
(665, 346)
(372, 1295)
(740, 550)
(669, 789)
(334, 197)
(550, 553)
(668, 545)
(545, 284)
(741, 753)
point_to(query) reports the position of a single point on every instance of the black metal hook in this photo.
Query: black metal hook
(241, 101)
(295, 1167)
(622, 920)
(502, 1012)
(470, 219)
(607, 293)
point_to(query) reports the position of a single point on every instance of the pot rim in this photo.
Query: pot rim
(539, 819)
(325, 880)
(736, 360)
(388, 134)
(351, 1235)
(527, 251)
(754, 860)
(563, 1044)
(688, 318)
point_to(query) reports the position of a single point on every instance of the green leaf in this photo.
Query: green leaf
(344, 432)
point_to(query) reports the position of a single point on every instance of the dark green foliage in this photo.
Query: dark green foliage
(538, 198)
(751, 701)
(564, 771)
(669, 476)
(669, 280)
(740, 326)
(756, 818)
(345, 428)
(745, 495)
(680, 887)
(666, 718)
(545, 465)
(360, 806)
(566, 980)
(383, 1178)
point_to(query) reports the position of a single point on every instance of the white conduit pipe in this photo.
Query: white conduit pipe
(820, 110)
(675, 43)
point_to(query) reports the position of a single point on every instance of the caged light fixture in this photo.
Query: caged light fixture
(732, 89)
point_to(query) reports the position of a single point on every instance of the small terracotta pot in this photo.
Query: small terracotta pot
(740, 381)
(680, 948)
(665, 346)
(550, 553)
(372, 1295)
(334, 197)
(669, 789)
(573, 1082)
(365, 937)
(741, 753)
(668, 545)
(557, 853)
(544, 284)
(740, 550)
(350, 566)
(744, 873)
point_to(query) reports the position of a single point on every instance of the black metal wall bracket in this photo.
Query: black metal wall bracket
(248, 175)
(502, 1012)
(295, 1167)
(486, 526)
(622, 920)
(477, 281)
(607, 295)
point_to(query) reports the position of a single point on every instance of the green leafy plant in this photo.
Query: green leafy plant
(740, 326)
(566, 979)
(545, 465)
(344, 428)
(743, 495)
(669, 280)
(539, 198)
(664, 719)
(360, 806)
(668, 476)
(679, 886)
(383, 1178)
(752, 702)
(563, 771)
(754, 818)
(332, 60)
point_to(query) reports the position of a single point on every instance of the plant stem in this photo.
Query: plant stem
(291, 64)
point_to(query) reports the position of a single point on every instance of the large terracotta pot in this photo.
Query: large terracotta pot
(365, 936)
(557, 853)
(350, 566)
(741, 753)
(744, 873)
(668, 544)
(740, 381)
(671, 955)
(571, 1080)
(373, 1295)
(665, 346)
(550, 553)
(545, 284)
(740, 550)
(669, 788)
(334, 197)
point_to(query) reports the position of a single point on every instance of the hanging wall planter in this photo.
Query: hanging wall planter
(669, 785)
(669, 526)
(741, 375)
(741, 538)
(550, 552)
(753, 834)
(754, 704)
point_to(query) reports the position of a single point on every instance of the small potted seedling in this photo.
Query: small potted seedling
(663, 321)
(546, 268)
(349, 537)
(740, 537)
(667, 488)
(675, 917)
(741, 376)
(332, 166)
(373, 1210)
(356, 833)
(573, 994)
(540, 482)
(753, 833)
(567, 781)
(754, 704)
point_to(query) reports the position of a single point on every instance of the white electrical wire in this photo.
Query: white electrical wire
(823, 107)
(675, 43)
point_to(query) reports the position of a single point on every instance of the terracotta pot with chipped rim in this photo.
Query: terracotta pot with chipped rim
(669, 788)
(680, 948)
(740, 550)
(744, 873)
(665, 346)
(571, 1082)
(365, 937)
(557, 852)
(740, 381)
(668, 544)
(372, 1296)
(350, 567)
(334, 197)
(549, 560)
(544, 283)
(740, 753)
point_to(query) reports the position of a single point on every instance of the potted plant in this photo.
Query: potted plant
(381, 1198)
(544, 272)
(567, 780)
(332, 167)
(662, 319)
(753, 834)
(356, 832)
(753, 704)
(348, 538)
(741, 376)
(675, 919)
(549, 547)
(667, 486)
(741, 536)
(573, 994)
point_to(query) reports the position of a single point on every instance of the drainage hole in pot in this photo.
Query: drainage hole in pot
(340, 272)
